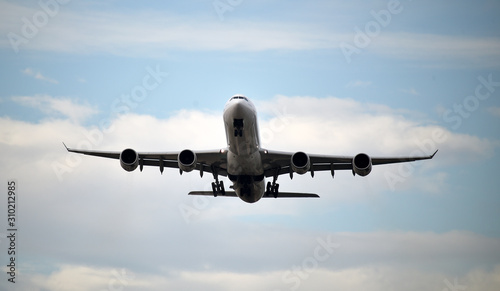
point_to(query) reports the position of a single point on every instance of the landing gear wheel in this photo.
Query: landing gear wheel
(214, 189)
(218, 188)
(222, 190)
(275, 190)
(272, 188)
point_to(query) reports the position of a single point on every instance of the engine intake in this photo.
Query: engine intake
(187, 160)
(300, 163)
(362, 164)
(129, 160)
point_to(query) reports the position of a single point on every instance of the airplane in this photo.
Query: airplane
(244, 161)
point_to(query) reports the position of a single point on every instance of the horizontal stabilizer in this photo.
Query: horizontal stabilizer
(280, 194)
(211, 193)
(293, 195)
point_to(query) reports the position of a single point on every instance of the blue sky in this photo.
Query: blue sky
(381, 77)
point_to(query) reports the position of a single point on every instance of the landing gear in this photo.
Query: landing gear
(273, 188)
(238, 132)
(217, 186)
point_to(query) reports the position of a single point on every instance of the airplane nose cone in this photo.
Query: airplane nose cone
(239, 108)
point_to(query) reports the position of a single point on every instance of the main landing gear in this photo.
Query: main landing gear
(273, 188)
(217, 186)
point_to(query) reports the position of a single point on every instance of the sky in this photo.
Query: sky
(387, 78)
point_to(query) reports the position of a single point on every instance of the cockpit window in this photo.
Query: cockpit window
(239, 97)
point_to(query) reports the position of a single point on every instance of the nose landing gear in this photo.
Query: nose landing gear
(238, 127)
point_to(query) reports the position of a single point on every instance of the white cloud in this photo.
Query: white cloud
(53, 106)
(37, 75)
(367, 278)
(373, 261)
(346, 126)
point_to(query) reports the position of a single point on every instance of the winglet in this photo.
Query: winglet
(65, 146)
(432, 156)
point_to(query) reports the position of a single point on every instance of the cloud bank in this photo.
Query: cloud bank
(105, 228)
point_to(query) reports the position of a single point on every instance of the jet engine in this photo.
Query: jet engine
(300, 163)
(362, 164)
(129, 160)
(187, 160)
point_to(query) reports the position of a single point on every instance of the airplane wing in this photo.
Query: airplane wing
(212, 161)
(278, 163)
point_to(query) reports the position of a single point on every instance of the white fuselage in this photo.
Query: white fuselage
(244, 163)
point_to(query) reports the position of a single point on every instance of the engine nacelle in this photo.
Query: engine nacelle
(129, 160)
(362, 164)
(300, 163)
(187, 160)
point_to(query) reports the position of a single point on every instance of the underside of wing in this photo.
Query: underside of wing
(279, 163)
(212, 161)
